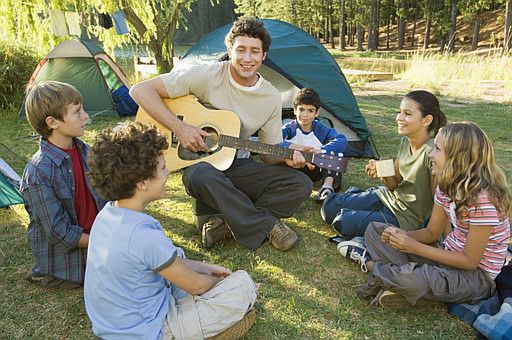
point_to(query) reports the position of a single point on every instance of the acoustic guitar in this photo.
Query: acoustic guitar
(223, 141)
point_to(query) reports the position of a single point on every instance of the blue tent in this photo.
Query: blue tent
(9, 181)
(296, 60)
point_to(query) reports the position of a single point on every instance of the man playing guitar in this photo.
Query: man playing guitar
(251, 196)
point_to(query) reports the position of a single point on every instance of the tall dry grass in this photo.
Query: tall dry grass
(17, 62)
(461, 75)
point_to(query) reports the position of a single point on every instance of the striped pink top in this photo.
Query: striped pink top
(484, 214)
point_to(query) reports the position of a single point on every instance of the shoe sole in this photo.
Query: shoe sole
(393, 300)
(239, 329)
(293, 244)
(206, 240)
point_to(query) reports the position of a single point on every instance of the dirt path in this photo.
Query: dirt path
(491, 91)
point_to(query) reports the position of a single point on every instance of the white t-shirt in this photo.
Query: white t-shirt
(258, 106)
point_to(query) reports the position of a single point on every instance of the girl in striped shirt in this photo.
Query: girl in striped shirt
(472, 202)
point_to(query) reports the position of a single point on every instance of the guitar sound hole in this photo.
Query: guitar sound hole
(212, 141)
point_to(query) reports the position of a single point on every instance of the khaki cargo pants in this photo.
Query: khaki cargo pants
(416, 278)
(206, 315)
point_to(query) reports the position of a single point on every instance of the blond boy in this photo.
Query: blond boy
(57, 196)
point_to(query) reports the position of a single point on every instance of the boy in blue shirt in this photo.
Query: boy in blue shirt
(309, 132)
(57, 196)
(138, 284)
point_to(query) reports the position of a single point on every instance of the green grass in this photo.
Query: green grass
(308, 292)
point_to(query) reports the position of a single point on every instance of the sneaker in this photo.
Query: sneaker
(282, 236)
(322, 193)
(215, 230)
(355, 252)
(32, 276)
(239, 329)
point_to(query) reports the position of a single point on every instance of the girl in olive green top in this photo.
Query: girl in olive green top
(406, 198)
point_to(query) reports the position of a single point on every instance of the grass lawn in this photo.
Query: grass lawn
(308, 292)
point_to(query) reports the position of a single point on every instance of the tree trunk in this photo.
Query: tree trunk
(426, 40)
(388, 24)
(401, 24)
(413, 33)
(376, 25)
(371, 31)
(373, 27)
(507, 43)
(476, 32)
(360, 37)
(352, 28)
(442, 44)
(428, 24)
(331, 25)
(453, 26)
(343, 26)
(326, 21)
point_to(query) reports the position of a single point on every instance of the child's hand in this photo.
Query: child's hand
(371, 169)
(403, 242)
(389, 231)
(219, 271)
(294, 146)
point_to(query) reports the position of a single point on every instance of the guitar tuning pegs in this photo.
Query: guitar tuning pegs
(340, 155)
(324, 151)
(332, 153)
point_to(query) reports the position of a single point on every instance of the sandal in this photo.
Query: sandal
(322, 194)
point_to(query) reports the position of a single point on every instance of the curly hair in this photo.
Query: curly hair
(123, 156)
(306, 96)
(471, 168)
(248, 27)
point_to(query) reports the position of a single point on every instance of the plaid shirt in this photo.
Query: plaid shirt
(47, 188)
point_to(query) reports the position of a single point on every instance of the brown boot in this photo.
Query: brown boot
(239, 329)
(215, 230)
(282, 236)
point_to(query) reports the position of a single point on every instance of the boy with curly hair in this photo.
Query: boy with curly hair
(138, 284)
(55, 189)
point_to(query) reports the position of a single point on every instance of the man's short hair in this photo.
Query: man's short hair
(248, 27)
(123, 156)
(306, 96)
(49, 99)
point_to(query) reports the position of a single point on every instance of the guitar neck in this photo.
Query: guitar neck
(262, 148)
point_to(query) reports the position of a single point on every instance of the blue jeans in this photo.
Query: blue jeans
(352, 211)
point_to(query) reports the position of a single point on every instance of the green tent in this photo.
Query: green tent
(9, 194)
(87, 67)
(296, 60)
